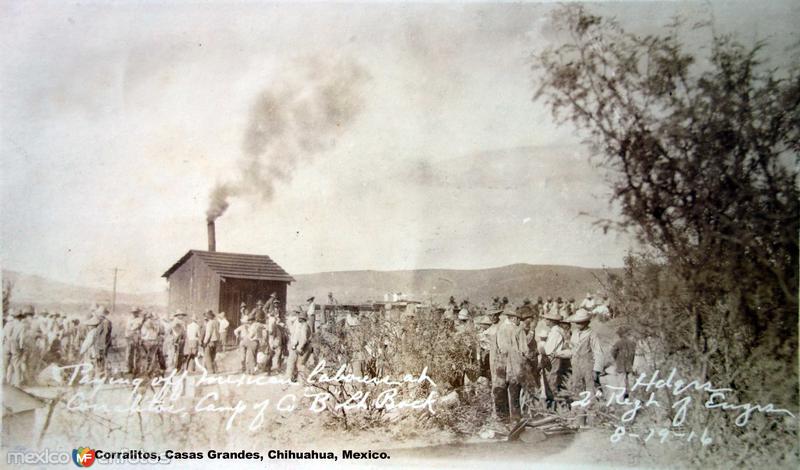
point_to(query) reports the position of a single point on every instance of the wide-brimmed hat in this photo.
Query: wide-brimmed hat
(18, 313)
(243, 304)
(246, 319)
(260, 302)
(495, 311)
(510, 311)
(526, 301)
(463, 314)
(302, 316)
(553, 316)
(484, 320)
(582, 315)
(310, 299)
(209, 313)
(179, 313)
(94, 320)
(136, 310)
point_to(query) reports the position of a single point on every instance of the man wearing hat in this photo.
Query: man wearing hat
(248, 334)
(191, 348)
(268, 304)
(223, 329)
(539, 307)
(588, 303)
(210, 342)
(527, 313)
(624, 352)
(102, 340)
(274, 338)
(485, 338)
(554, 359)
(148, 362)
(311, 313)
(14, 334)
(133, 338)
(586, 355)
(564, 309)
(531, 374)
(9, 326)
(299, 345)
(465, 349)
(243, 311)
(511, 347)
(175, 341)
(258, 314)
(602, 310)
(462, 320)
(329, 313)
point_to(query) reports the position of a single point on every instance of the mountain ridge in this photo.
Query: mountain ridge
(515, 281)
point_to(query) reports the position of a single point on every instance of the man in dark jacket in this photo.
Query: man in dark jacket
(624, 352)
(102, 340)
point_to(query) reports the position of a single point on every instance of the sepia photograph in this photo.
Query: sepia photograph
(394, 234)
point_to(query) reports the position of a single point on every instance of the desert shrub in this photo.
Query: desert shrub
(384, 348)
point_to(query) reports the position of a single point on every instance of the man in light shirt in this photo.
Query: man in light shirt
(133, 337)
(210, 342)
(223, 329)
(588, 303)
(311, 312)
(191, 347)
(511, 347)
(299, 346)
(555, 361)
(586, 357)
(148, 362)
(601, 310)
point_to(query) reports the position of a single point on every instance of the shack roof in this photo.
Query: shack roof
(236, 266)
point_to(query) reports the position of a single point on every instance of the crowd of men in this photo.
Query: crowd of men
(34, 339)
(523, 351)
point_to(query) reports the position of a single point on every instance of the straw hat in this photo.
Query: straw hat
(582, 315)
(552, 316)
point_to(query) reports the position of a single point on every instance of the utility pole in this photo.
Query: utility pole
(114, 291)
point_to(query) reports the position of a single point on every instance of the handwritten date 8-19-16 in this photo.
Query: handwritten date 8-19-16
(662, 435)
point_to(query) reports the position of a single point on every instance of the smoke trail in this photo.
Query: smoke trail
(291, 123)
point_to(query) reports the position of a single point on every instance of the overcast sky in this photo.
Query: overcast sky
(117, 120)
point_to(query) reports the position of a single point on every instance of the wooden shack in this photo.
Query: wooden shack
(203, 280)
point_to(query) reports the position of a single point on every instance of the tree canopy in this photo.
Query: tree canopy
(703, 147)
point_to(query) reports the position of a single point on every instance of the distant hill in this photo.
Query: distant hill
(515, 281)
(47, 293)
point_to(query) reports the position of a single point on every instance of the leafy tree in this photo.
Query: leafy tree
(702, 146)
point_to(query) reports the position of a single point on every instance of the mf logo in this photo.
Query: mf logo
(83, 456)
